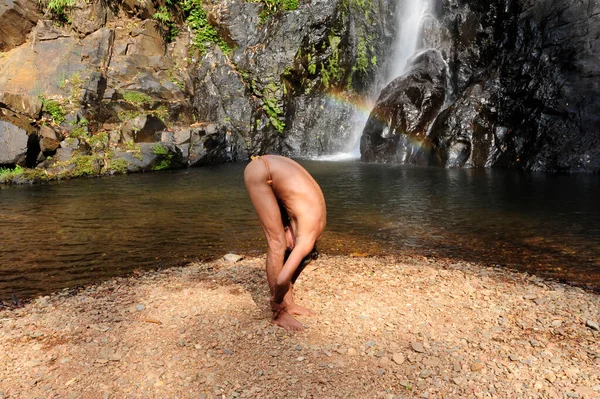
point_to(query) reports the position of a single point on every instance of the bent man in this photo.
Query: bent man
(291, 209)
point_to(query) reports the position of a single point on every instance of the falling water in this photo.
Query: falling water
(410, 15)
(409, 19)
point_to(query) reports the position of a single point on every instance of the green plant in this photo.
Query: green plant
(273, 6)
(99, 140)
(86, 165)
(117, 165)
(55, 110)
(163, 15)
(159, 149)
(136, 97)
(7, 174)
(165, 158)
(59, 8)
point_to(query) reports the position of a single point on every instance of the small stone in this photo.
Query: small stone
(32, 363)
(457, 380)
(232, 258)
(417, 347)
(585, 392)
(384, 362)
(571, 394)
(227, 351)
(370, 343)
(593, 325)
(513, 357)
(352, 352)
(425, 373)
(550, 377)
(477, 366)
(398, 358)
(139, 307)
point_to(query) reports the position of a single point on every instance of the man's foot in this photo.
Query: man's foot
(298, 310)
(285, 320)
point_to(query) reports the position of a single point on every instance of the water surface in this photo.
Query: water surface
(70, 233)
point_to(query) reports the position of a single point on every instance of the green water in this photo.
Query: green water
(70, 233)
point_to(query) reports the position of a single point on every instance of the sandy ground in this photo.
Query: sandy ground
(387, 327)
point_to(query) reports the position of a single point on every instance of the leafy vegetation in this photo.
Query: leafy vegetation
(55, 110)
(165, 158)
(273, 6)
(59, 8)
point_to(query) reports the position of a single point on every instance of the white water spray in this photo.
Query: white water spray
(410, 15)
(409, 20)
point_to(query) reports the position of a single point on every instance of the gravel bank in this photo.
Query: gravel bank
(387, 327)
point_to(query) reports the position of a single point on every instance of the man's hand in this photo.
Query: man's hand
(277, 308)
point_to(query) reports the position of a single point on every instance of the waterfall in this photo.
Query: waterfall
(409, 20)
(410, 15)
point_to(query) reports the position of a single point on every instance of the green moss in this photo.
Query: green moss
(117, 165)
(136, 97)
(86, 165)
(78, 133)
(98, 141)
(125, 116)
(7, 174)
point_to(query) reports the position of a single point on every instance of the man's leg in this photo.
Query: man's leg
(292, 307)
(267, 209)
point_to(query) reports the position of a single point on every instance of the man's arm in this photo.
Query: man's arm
(282, 284)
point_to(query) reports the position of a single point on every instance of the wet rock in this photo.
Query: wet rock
(397, 128)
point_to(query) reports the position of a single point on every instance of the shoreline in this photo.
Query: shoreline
(386, 326)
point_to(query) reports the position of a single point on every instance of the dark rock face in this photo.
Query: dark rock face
(525, 88)
(397, 128)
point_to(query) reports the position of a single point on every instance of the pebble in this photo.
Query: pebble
(232, 258)
(398, 358)
(352, 352)
(417, 347)
(139, 307)
(477, 366)
(384, 362)
(550, 377)
(593, 325)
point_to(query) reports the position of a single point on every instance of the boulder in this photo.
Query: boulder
(463, 134)
(143, 129)
(152, 156)
(17, 19)
(216, 147)
(397, 127)
(220, 95)
(26, 104)
(13, 143)
(87, 17)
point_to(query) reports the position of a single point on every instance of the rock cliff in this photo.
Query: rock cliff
(523, 90)
(100, 87)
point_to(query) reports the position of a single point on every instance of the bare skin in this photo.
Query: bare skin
(294, 189)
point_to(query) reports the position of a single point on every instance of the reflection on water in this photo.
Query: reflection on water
(75, 232)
